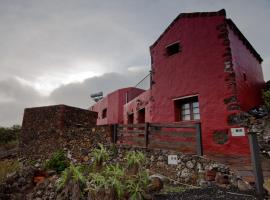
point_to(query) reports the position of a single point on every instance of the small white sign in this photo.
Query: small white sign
(236, 132)
(172, 159)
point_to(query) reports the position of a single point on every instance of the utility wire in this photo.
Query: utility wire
(142, 79)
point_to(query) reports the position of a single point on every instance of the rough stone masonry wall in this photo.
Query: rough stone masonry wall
(48, 129)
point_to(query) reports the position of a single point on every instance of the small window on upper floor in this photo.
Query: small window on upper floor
(104, 113)
(173, 49)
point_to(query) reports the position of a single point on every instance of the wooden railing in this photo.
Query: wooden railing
(172, 136)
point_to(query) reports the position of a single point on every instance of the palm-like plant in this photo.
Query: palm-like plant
(135, 190)
(134, 158)
(63, 179)
(117, 186)
(134, 161)
(71, 173)
(100, 155)
(143, 179)
(76, 172)
(114, 170)
(97, 182)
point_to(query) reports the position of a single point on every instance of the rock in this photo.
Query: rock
(164, 179)
(221, 178)
(203, 183)
(85, 158)
(199, 166)
(21, 180)
(39, 193)
(156, 184)
(190, 164)
(37, 165)
(242, 185)
(160, 158)
(51, 172)
(185, 173)
(69, 156)
(11, 175)
(160, 164)
(152, 158)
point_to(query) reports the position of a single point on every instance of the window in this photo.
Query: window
(104, 113)
(173, 49)
(130, 118)
(187, 109)
(141, 116)
(244, 76)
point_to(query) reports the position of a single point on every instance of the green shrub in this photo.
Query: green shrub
(75, 173)
(57, 162)
(100, 155)
(266, 98)
(134, 158)
(9, 134)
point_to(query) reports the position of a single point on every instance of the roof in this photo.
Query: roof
(230, 23)
(189, 15)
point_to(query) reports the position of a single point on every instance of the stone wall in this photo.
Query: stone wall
(50, 128)
(261, 126)
(76, 142)
(58, 117)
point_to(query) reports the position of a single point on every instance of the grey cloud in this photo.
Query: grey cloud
(47, 40)
(14, 97)
(47, 37)
(78, 94)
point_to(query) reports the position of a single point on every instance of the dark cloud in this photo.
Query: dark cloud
(14, 97)
(48, 44)
(78, 94)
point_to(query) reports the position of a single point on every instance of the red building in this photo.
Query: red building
(203, 69)
(110, 108)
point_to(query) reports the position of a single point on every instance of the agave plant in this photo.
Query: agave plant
(135, 190)
(76, 172)
(71, 173)
(114, 171)
(97, 182)
(143, 178)
(63, 179)
(117, 186)
(134, 160)
(100, 155)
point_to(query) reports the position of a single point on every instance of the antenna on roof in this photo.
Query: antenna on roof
(97, 96)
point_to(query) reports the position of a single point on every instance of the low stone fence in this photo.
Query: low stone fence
(51, 128)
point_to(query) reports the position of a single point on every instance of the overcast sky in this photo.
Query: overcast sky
(61, 51)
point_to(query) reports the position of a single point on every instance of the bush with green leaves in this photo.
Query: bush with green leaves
(57, 162)
(9, 134)
(134, 158)
(137, 186)
(113, 178)
(74, 173)
(110, 179)
(266, 98)
(100, 155)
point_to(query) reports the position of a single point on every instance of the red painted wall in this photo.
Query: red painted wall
(140, 102)
(249, 91)
(114, 103)
(199, 70)
(210, 65)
